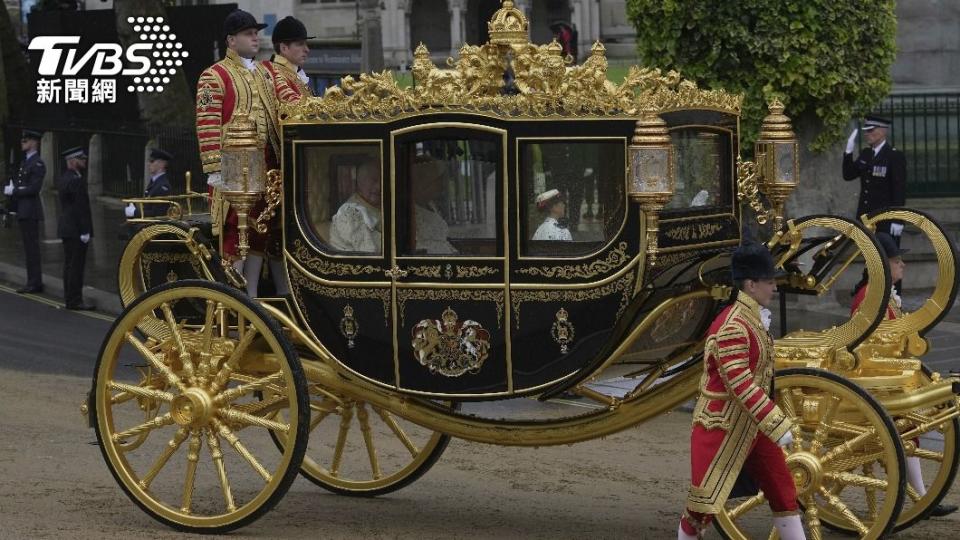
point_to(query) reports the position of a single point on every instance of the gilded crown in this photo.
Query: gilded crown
(509, 26)
(449, 317)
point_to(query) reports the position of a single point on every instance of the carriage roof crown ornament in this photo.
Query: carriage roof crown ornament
(509, 26)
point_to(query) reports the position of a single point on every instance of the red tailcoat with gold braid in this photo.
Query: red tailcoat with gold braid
(225, 89)
(734, 409)
(287, 85)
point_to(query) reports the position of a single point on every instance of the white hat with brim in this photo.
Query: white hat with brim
(547, 198)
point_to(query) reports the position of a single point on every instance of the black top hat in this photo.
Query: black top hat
(290, 29)
(873, 122)
(889, 245)
(753, 261)
(31, 134)
(239, 20)
(156, 153)
(76, 152)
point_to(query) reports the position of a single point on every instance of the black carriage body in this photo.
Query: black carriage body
(461, 298)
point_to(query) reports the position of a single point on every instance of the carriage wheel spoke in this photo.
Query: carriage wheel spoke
(178, 339)
(233, 415)
(848, 447)
(345, 417)
(812, 517)
(155, 361)
(232, 439)
(912, 493)
(823, 427)
(871, 494)
(247, 388)
(834, 502)
(857, 480)
(737, 511)
(137, 391)
(193, 456)
(149, 425)
(851, 463)
(172, 446)
(320, 412)
(216, 454)
(774, 534)
(208, 314)
(223, 375)
(398, 431)
(364, 418)
(923, 453)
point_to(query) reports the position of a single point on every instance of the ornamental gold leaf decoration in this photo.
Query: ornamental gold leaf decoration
(302, 254)
(463, 295)
(299, 282)
(475, 271)
(614, 259)
(545, 85)
(430, 271)
(621, 286)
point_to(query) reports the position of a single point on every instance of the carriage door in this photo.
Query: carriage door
(448, 259)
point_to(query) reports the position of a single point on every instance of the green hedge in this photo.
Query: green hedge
(828, 57)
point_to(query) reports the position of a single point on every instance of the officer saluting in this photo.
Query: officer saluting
(25, 193)
(75, 226)
(882, 171)
(159, 185)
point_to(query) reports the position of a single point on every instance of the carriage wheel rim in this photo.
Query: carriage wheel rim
(204, 417)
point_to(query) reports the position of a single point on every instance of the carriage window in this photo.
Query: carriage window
(703, 168)
(571, 196)
(342, 194)
(446, 197)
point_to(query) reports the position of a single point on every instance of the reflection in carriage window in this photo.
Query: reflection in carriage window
(572, 196)
(446, 197)
(703, 168)
(342, 197)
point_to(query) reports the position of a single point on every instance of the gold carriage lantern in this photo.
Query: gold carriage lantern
(242, 168)
(652, 173)
(776, 153)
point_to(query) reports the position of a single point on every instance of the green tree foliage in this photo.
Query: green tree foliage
(830, 58)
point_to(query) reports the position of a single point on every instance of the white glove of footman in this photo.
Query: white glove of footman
(215, 180)
(785, 440)
(85, 238)
(8, 189)
(852, 141)
(130, 210)
(896, 229)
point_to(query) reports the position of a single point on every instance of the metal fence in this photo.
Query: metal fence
(926, 127)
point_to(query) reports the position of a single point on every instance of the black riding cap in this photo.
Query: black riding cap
(239, 20)
(290, 29)
(753, 261)
(31, 134)
(889, 245)
(156, 153)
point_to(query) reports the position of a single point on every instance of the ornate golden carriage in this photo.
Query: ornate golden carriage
(420, 283)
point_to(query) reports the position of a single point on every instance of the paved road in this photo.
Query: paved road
(56, 485)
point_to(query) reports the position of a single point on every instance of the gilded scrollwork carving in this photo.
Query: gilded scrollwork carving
(462, 295)
(302, 254)
(299, 281)
(544, 84)
(621, 286)
(429, 271)
(475, 271)
(614, 260)
(349, 327)
(562, 330)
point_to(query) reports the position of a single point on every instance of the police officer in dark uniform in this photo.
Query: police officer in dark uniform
(75, 226)
(882, 171)
(159, 185)
(24, 190)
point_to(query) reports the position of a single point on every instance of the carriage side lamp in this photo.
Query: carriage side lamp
(242, 168)
(652, 173)
(776, 154)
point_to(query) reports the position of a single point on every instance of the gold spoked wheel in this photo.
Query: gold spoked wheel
(938, 452)
(361, 450)
(846, 461)
(203, 459)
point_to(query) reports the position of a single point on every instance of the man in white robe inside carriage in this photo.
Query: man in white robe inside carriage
(356, 225)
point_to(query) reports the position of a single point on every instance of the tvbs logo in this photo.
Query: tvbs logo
(89, 76)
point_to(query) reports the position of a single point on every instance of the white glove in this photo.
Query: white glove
(130, 210)
(700, 199)
(896, 229)
(785, 440)
(85, 238)
(588, 172)
(8, 189)
(214, 180)
(852, 141)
